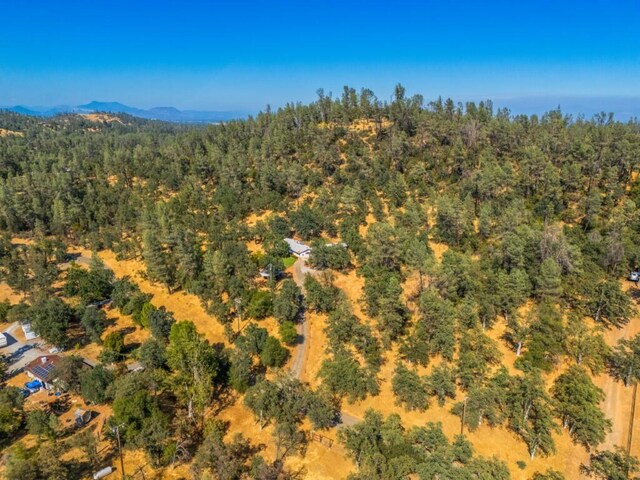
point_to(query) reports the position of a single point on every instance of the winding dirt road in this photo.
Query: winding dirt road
(299, 360)
(300, 270)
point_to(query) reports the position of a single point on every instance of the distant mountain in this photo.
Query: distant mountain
(22, 110)
(167, 114)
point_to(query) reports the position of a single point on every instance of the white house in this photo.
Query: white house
(298, 249)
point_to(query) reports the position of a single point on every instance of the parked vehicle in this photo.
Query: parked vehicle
(634, 276)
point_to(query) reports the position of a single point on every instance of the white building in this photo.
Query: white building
(298, 249)
(29, 334)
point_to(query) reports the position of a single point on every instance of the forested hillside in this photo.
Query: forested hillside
(468, 265)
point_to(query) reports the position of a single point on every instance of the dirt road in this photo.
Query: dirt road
(300, 270)
(299, 361)
(617, 405)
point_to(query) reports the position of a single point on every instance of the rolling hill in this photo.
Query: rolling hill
(167, 114)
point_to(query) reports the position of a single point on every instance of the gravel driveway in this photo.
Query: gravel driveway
(19, 353)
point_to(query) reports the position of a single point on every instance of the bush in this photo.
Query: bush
(253, 339)
(93, 321)
(113, 348)
(286, 306)
(324, 256)
(273, 354)
(94, 384)
(50, 319)
(409, 388)
(18, 313)
(5, 308)
(160, 323)
(240, 371)
(93, 285)
(152, 354)
(321, 297)
(288, 333)
(260, 305)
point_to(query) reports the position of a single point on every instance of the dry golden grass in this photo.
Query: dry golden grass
(9, 295)
(101, 117)
(438, 249)
(317, 342)
(322, 462)
(254, 218)
(319, 463)
(7, 133)
(618, 403)
(499, 442)
(184, 306)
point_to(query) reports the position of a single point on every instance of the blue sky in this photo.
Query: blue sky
(244, 55)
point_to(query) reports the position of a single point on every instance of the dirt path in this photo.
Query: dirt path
(300, 270)
(298, 363)
(618, 402)
(617, 405)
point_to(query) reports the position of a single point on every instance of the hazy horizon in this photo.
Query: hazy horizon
(623, 108)
(246, 55)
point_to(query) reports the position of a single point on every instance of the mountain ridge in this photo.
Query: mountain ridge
(166, 113)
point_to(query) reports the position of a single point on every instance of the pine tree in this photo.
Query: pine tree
(530, 414)
(409, 388)
(441, 383)
(549, 281)
(577, 401)
(624, 361)
(156, 259)
(608, 304)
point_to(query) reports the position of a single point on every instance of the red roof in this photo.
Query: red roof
(42, 367)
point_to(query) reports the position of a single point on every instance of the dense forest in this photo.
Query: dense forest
(537, 217)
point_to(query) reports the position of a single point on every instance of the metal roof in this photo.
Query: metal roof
(297, 247)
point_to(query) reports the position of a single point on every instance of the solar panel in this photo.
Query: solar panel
(42, 371)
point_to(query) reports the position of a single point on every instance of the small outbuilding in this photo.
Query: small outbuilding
(29, 334)
(135, 367)
(82, 417)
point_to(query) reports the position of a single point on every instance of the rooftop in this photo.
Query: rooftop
(296, 246)
(42, 367)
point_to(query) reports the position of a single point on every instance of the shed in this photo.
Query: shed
(135, 367)
(29, 334)
(82, 417)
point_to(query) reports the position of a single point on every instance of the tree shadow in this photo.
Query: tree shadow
(129, 348)
(634, 292)
(126, 331)
(110, 322)
(72, 257)
(225, 398)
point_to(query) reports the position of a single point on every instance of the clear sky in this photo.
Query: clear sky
(246, 54)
